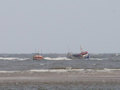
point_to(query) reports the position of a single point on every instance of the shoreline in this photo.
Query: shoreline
(62, 76)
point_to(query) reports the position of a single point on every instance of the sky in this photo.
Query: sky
(59, 26)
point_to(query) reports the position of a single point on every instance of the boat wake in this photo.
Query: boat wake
(13, 58)
(58, 58)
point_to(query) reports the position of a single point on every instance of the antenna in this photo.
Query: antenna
(81, 48)
(41, 52)
(38, 52)
(68, 48)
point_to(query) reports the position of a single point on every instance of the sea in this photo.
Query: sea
(25, 62)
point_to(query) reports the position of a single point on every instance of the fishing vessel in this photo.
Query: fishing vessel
(82, 55)
(38, 57)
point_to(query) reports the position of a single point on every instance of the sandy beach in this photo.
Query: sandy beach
(60, 76)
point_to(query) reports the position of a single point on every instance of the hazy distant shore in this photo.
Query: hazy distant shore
(60, 77)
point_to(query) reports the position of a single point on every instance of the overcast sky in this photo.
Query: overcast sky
(59, 26)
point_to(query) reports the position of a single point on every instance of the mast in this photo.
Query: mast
(81, 49)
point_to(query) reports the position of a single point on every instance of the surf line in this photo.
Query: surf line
(62, 70)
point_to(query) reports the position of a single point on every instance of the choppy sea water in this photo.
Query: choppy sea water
(61, 87)
(23, 62)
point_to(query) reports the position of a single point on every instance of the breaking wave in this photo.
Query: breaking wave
(13, 58)
(58, 58)
(65, 58)
(98, 58)
(64, 70)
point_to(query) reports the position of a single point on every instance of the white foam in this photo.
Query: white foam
(107, 69)
(74, 70)
(42, 64)
(64, 70)
(13, 58)
(58, 58)
(97, 58)
(8, 71)
(47, 70)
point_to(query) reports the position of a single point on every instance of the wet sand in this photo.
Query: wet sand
(60, 77)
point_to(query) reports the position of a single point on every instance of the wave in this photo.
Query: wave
(65, 58)
(64, 70)
(77, 70)
(98, 58)
(58, 58)
(13, 58)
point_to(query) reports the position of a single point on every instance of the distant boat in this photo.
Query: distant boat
(37, 57)
(82, 55)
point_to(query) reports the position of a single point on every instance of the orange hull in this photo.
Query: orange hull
(37, 57)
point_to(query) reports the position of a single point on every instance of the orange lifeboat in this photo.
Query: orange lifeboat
(37, 57)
